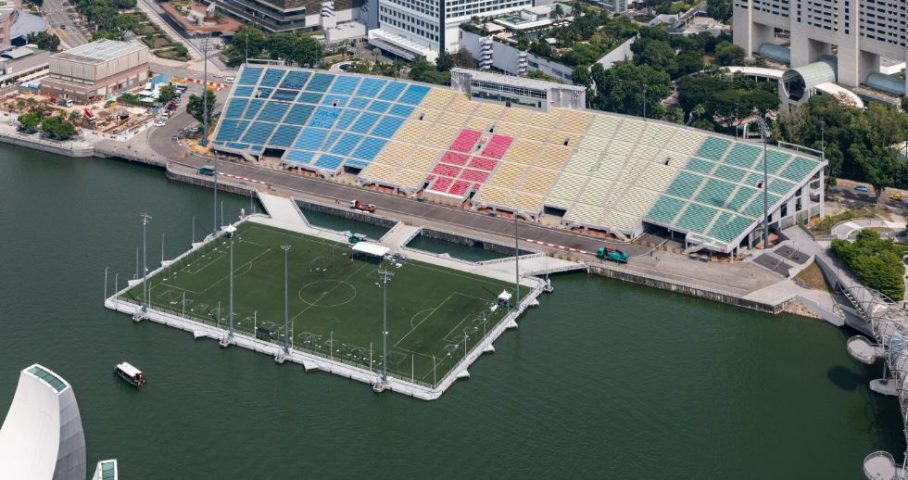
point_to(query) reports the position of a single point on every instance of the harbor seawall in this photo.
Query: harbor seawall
(67, 149)
(627, 275)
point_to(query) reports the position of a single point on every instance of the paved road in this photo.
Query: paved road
(161, 141)
(63, 21)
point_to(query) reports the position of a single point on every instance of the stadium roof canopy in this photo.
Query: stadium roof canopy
(594, 169)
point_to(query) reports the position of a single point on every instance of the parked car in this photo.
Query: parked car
(862, 188)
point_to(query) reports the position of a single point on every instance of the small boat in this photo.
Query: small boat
(130, 374)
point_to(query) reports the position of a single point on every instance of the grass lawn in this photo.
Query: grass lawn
(812, 277)
(335, 302)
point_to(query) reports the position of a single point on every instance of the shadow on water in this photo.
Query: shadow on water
(846, 378)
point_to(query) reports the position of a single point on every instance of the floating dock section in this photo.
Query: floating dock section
(284, 214)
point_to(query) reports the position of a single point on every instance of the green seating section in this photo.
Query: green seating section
(700, 166)
(697, 217)
(715, 192)
(798, 169)
(728, 227)
(713, 148)
(743, 155)
(665, 210)
(685, 184)
(740, 198)
(730, 173)
(775, 160)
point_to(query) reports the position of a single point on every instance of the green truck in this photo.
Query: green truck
(607, 253)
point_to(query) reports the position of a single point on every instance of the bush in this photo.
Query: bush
(58, 128)
(876, 262)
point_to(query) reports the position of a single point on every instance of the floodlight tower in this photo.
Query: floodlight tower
(146, 219)
(764, 133)
(384, 277)
(286, 249)
(231, 232)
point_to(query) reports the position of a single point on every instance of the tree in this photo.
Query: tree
(58, 128)
(719, 9)
(464, 59)
(444, 62)
(880, 165)
(166, 93)
(45, 41)
(728, 53)
(28, 123)
(621, 89)
(876, 262)
(195, 106)
(423, 71)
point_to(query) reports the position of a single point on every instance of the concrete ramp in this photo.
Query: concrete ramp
(283, 212)
(399, 236)
(533, 265)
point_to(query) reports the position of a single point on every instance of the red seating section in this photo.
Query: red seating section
(457, 172)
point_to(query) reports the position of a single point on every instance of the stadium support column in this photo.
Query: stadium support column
(286, 249)
(146, 219)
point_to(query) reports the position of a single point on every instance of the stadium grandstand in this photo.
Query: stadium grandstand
(595, 170)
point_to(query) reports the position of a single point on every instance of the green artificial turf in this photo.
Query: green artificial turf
(335, 302)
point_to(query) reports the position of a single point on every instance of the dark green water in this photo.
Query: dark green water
(464, 252)
(604, 380)
(341, 224)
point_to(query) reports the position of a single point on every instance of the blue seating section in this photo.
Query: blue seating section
(392, 91)
(272, 77)
(329, 162)
(299, 114)
(324, 120)
(285, 135)
(370, 87)
(369, 148)
(250, 76)
(274, 111)
(379, 106)
(311, 139)
(300, 156)
(365, 122)
(414, 94)
(243, 92)
(345, 85)
(402, 110)
(284, 95)
(258, 133)
(346, 144)
(295, 80)
(235, 108)
(252, 110)
(324, 117)
(320, 82)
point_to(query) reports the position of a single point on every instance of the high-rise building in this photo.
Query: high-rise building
(41, 438)
(292, 15)
(848, 35)
(423, 28)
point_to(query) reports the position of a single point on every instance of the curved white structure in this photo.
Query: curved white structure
(41, 438)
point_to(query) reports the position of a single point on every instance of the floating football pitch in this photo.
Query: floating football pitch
(335, 301)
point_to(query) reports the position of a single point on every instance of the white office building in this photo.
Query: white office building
(423, 28)
(849, 35)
